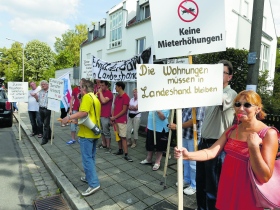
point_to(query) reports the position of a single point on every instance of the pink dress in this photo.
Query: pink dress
(235, 191)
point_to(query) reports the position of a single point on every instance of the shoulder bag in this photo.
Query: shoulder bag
(267, 194)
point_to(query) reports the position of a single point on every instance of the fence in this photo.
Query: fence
(272, 120)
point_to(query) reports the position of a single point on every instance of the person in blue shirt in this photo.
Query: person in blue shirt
(158, 121)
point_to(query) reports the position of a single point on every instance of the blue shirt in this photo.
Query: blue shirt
(187, 115)
(160, 124)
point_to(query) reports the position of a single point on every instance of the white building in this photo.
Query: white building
(126, 31)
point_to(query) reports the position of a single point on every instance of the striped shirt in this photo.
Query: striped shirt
(43, 98)
(187, 115)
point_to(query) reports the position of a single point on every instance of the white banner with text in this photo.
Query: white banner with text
(175, 86)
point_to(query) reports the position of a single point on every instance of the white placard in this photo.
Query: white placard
(56, 87)
(53, 105)
(18, 91)
(87, 68)
(188, 27)
(175, 86)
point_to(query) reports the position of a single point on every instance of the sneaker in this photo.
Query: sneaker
(185, 184)
(102, 147)
(128, 158)
(108, 150)
(118, 152)
(71, 142)
(189, 191)
(90, 191)
(133, 145)
(83, 179)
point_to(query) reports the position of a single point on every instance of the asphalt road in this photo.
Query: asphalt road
(17, 189)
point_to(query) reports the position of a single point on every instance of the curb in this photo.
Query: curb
(70, 193)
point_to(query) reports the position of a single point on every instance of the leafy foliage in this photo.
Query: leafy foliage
(238, 58)
(68, 47)
(39, 59)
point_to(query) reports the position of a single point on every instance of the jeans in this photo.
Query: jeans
(35, 120)
(189, 165)
(45, 115)
(207, 179)
(88, 151)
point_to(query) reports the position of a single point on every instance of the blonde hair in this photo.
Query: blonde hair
(253, 98)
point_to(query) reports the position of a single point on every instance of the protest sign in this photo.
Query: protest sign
(86, 68)
(190, 28)
(18, 91)
(53, 105)
(56, 87)
(174, 86)
(115, 71)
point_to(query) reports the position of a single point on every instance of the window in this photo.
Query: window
(102, 30)
(140, 45)
(264, 57)
(116, 29)
(245, 9)
(145, 11)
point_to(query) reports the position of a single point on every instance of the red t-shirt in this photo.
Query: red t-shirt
(106, 108)
(76, 103)
(119, 102)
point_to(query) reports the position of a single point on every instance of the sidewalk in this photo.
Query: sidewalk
(124, 185)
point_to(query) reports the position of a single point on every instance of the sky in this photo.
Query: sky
(25, 20)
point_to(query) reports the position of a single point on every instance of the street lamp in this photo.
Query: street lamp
(22, 56)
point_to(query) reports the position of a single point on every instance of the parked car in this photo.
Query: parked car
(6, 109)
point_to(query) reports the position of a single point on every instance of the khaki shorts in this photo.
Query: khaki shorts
(121, 128)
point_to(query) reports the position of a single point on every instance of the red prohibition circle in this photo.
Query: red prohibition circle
(186, 10)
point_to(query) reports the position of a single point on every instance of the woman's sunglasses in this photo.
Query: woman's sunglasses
(246, 105)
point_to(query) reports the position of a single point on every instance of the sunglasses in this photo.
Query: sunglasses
(246, 105)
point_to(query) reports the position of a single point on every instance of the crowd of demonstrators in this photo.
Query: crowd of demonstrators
(74, 108)
(217, 120)
(157, 121)
(45, 114)
(33, 111)
(105, 97)
(189, 182)
(241, 143)
(119, 118)
(91, 107)
(63, 113)
(133, 120)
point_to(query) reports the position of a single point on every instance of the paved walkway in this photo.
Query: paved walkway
(124, 185)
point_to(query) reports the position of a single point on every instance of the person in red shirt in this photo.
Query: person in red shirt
(96, 86)
(119, 116)
(74, 108)
(105, 97)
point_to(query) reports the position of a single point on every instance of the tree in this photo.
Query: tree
(277, 65)
(238, 58)
(39, 60)
(11, 62)
(68, 47)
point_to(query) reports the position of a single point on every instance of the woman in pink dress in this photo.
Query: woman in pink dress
(241, 143)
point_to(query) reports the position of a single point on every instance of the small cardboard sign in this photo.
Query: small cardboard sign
(18, 91)
(56, 87)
